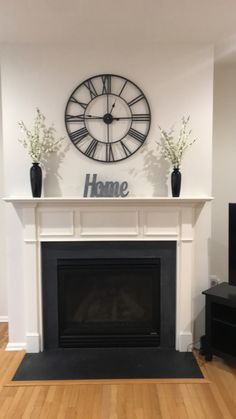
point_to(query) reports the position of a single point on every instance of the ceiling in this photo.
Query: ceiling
(111, 21)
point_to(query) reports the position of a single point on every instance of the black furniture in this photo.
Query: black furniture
(220, 336)
(232, 244)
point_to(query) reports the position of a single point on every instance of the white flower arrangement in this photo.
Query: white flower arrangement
(173, 150)
(40, 141)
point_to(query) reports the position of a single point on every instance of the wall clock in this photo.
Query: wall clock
(107, 118)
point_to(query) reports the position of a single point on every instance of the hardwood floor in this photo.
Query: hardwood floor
(212, 399)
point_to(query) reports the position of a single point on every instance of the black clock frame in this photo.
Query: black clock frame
(108, 118)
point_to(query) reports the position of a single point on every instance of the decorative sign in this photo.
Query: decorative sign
(98, 189)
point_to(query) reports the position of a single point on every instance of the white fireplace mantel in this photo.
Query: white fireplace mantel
(99, 219)
(129, 200)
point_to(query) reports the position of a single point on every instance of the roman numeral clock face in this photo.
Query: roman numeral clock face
(107, 118)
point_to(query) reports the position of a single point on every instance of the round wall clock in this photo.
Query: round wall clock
(107, 118)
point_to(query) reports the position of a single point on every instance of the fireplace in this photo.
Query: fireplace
(150, 222)
(109, 294)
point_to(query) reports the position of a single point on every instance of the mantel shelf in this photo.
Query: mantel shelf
(124, 201)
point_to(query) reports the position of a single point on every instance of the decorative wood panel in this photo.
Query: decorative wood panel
(162, 221)
(109, 223)
(56, 222)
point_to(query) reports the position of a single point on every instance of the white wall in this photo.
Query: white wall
(177, 81)
(224, 157)
(3, 282)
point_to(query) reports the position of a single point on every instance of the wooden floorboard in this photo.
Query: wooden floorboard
(212, 398)
(9, 383)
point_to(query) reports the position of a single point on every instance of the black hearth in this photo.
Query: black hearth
(108, 294)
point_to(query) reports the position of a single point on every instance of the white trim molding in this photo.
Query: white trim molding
(118, 201)
(101, 219)
(3, 319)
(16, 346)
(32, 342)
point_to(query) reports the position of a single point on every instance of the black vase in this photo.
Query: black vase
(175, 182)
(36, 180)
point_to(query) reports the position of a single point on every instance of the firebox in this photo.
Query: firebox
(108, 294)
(109, 302)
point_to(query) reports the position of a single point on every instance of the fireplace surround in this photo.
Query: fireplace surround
(98, 294)
(84, 220)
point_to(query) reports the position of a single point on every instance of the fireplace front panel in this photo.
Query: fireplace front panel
(109, 302)
(98, 294)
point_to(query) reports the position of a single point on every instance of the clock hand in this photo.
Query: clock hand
(137, 117)
(122, 117)
(107, 103)
(77, 118)
(108, 140)
(93, 117)
(112, 107)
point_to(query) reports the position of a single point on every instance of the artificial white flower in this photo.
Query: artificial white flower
(40, 141)
(173, 150)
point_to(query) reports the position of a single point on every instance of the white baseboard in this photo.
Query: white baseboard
(3, 319)
(185, 342)
(31, 346)
(16, 346)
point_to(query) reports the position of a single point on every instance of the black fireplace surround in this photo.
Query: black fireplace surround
(109, 294)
